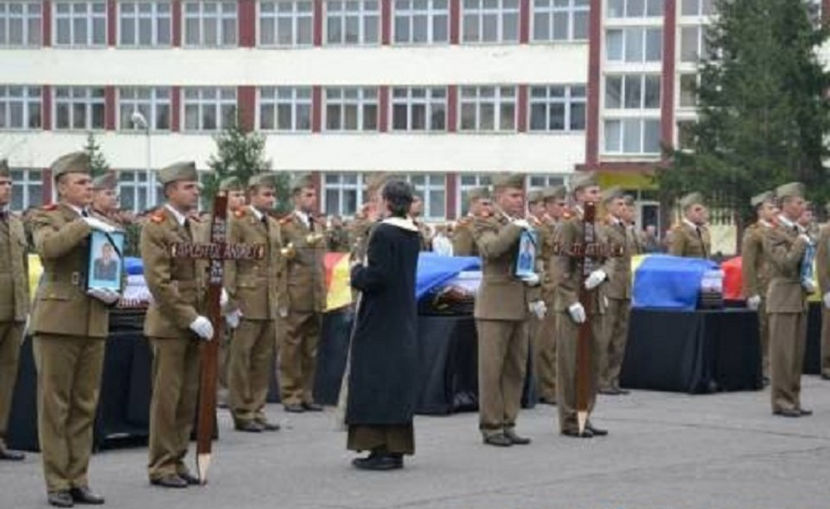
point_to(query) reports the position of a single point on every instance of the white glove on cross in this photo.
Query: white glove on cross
(531, 280)
(808, 286)
(233, 318)
(105, 295)
(97, 224)
(595, 279)
(203, 328)
(577, 313)
(538, 308)
(753, 302)
(522, 223)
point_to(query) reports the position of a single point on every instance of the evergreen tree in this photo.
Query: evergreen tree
(97, 160)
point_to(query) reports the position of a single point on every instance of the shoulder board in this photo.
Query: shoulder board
(239, 213)
(50, 207)
(566, 216)
(285, 220)
(157, 216)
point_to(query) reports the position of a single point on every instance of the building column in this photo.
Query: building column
(316, 108)
(109, 108)
(668, 76)
(46, 107)
(386, 22)
(451, 185)
(112, 23)
(452, 108)
(524, 21)
(383, 108)
(521, 104)
(247, 23)
(176, 21)
(592, 116)
(246, 100)
(175, 109)
(455, 21)
(317, 20)
(46, 193)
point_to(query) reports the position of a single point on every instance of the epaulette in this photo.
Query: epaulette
(239, 213)
(157, 217)
(285, 220)
(50, 207)
(567, 215)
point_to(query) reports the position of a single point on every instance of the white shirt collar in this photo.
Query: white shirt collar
(257, 213)
(77, 210)
(765, 223)
(789, 224)
(691, 224)
(404, 223)
(303, 217)
(180, 218)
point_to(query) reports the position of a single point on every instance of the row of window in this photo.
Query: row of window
(411, 109)
(654, 8)
(288, 23)
(636, 45)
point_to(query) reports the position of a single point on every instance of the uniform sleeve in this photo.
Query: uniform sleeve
(678, 242)
(374, 276)
(51, 241)
(783, 256)
(491, 244)
(823, 260)
(156, 257)
(749, 261)
(567, 292)
(462, 242)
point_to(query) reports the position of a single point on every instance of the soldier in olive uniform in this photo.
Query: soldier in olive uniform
(175, 324)
(538, 221)
(480, 206)
(14, 303)
(572, 314)
(253, 287)
(501, 313)
(337, 237)
(637, 236)
(755, 269)
(784, 248)
(617, 292)
(302, 314)
(70, 325)
(105, 197)
(823, 269)
(690, 238)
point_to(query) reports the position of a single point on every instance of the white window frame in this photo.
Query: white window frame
(280, 97)
(431, 99)
(131, 186)
(499, 100)
(643, 120)
(364, 16)
(366, 98)
(274, 15)
(149, 107)
(220, 17)
(425, 184)
(23, 180)
(156, 14)
(217, 103)
(469, 11)
(341, 188)
(650, 9)
(412, 13)
(572, 95)
(627, 35)
(467, 181)
(533, 181)
(550, 10)
(28, 99)
(703, 8)
(700, 43)
(91, 17)
(30, 19)
(625, 79)
(79, 95)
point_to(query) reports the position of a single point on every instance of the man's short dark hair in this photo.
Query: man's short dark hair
(398, 194)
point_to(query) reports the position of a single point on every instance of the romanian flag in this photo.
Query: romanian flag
(338, 278)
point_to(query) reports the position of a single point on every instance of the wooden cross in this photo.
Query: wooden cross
(216, 251)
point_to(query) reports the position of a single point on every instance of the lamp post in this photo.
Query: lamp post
(139, 121)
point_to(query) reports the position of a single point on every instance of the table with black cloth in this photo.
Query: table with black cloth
(693, 351)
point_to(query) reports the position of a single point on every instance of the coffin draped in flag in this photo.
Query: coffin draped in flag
(669, 282)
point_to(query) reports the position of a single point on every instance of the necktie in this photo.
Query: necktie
(3, 215)
(84, 213)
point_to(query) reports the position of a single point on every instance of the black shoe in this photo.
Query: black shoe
(312, 407)
(787, 412)
(514, 438)
(190, 479)
(169, 481)
(84, 495)
(597, 432)
(269, 426)
(498, 440)
(294, 409)
(8, 455)
(60, 498)
(248, 427)
(545, 401)
(576, 434)
(378, 462)
(397, 458)
(804, 412)
(825, 376)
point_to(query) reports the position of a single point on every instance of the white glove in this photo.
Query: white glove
(577, 313)
(232, 318)
(532, 279)
(806, 238)
(753, 302)
(808, 286)
(538, 308)
(522, 223)
(827, 300)
(223, 298)
(105, 295)
(595, 279)
(97, 224)
(202, 327)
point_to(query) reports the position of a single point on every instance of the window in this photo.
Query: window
(20, 23)
(632, 91)
(421, 21)
(488, 108)
(27, 189)
(490, 20)
(79, 108)
(209, 109)
(138, 190)
(557, 108)
(467, 182)
(697, 7)
(693, 43)
(635, 44)
(632, 136)
(285, 108)
(419, 109)
(432, 189)
(688, 90)
(352, 21)
(144, 23)
(208, 23)
(342, 193)
(560, 20)
(80, 23)
(352, 109)
(20, 107)
(152, 103)
(634, 8)
(685, 134)
(285, 23)
(543, 181)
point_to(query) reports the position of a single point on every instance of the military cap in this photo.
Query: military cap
(583, 180)
(375, 181)
(612, 193)
(4, 168)
(105, 181)
(266, 179)
(178, 171)
(478, 193)
(758, 199)
(535, 196)
(75, 162)
(301, 181)
(629, 199)
(554, 193)
(504, 180)
(790, 189)
(231, 184)
(691, 199)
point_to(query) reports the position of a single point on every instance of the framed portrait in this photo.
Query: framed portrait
(106, 265)
(526, 255)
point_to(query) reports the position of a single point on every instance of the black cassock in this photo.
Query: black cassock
(384, 357)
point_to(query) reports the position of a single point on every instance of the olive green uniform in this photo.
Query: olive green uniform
(617, 291)
(755, 280)
(823, 269)
(690, 241)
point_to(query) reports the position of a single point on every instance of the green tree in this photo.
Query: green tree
(763, 112)
(96, 156)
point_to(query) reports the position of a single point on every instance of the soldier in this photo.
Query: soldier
(174, 325)
(253, 287)
(301, 315)
(755, 269)
(70, 326)
(424, 231)
(617, 292)
(14, 303)
(538, 221)
(572, 314)
(480, 207)
(337, 237)
(501, 313)
(690, 238)
(105, 197)
(823, 268)
(362, 225)
(637, 237)
(784, 248)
